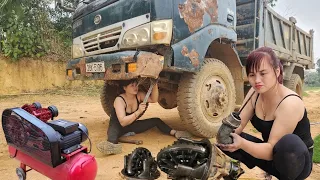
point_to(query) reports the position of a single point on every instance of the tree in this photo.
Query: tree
(311, 78)
(34, 28)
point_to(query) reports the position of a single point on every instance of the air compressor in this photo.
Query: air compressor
(52, 148)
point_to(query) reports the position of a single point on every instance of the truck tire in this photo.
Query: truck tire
(108, 95)
(295, 84)
(206, 97)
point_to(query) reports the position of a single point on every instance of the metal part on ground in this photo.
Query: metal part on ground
(189, 159)
(140, 165)
(229, 124)
(136, 142)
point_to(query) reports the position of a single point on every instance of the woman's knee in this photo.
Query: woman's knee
(289, 143)
(289, 154)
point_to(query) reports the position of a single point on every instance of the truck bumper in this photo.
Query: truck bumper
(145, 64)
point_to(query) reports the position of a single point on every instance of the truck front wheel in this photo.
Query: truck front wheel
(108, 94)
(206, 97)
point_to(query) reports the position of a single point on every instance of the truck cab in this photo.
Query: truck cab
(195, 48)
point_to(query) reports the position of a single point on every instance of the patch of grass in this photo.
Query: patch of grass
(305, 94)
(310, 88)
(316, 150)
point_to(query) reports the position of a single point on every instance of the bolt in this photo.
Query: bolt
(207, 103)
(208, 86)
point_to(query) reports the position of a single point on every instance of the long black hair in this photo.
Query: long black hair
(124, 83)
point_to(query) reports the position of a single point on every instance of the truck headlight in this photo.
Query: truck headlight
(77, 50)
(139, 36)
(157, 32)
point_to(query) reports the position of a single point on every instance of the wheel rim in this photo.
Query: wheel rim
(20, 174)
(214, 97)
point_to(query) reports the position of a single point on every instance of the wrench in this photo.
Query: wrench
(145, 100)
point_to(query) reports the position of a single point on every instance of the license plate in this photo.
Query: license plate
(95, 67)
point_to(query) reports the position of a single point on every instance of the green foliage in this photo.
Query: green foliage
(22, 39)
(34, 28)
(312, 79)
(316, 152)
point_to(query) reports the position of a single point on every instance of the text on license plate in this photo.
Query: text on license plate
(95, 67)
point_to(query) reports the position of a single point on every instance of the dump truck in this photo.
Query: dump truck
(196, 49)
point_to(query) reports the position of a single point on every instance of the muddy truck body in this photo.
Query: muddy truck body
(196, 48)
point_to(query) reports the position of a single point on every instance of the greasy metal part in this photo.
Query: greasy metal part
(193, 12)
(188, 159)
(214, 97)
(229, 57)
(167, 99)
(183, 159)
(145, 100)
(229, 124)
(226, 167)
(140, 165)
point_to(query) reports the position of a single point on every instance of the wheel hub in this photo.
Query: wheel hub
(214, 97)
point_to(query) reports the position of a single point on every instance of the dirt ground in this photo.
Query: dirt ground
(86, 108)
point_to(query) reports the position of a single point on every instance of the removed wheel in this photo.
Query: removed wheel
(206, 97)
(295, 84)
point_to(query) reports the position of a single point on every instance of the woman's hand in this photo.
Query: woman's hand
(142, 108)
(237, 141)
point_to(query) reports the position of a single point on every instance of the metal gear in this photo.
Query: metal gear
(183, 160)
(140, 165)
(188, 159)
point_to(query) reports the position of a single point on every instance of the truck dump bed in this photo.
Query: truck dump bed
(258, 25)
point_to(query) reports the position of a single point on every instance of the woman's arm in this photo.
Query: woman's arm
(124, 120)
(247, 112)
(153, 98)
(288, 114)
